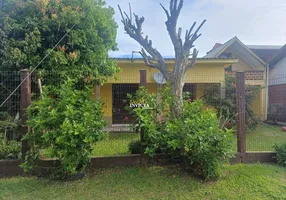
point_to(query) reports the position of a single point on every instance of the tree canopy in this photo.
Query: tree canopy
(29, 29)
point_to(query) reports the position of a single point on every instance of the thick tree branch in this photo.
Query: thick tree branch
(134, 30)
(182, 50)
(194, 59)
(148, 60)
(171, 24)
(190, 37)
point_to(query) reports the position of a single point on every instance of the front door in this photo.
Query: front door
(119, 102)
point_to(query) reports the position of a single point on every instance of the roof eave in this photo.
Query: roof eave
(235, 39)
(199, 61)
(277, 57)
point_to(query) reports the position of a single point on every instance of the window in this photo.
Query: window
(119, 102)
(189, 91)
(228, 69)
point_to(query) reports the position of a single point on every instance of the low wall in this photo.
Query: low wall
(10, 168)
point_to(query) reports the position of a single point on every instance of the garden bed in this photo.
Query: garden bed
(11, 167)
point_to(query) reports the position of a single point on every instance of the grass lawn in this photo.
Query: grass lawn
(238, 182)
(262, 139)
(115, 144)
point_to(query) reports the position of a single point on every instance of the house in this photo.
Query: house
(252, 64)
(277, 85)
(223, 59)
(114, 93)
(265, 52)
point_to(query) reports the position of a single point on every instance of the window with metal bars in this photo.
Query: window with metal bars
(119, 102)
(189, 91)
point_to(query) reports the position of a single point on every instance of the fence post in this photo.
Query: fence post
(143, 82)
(240, 119)
(24, 104)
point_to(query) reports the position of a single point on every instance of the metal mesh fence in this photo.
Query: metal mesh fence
(114, 94)
(216, 91)
(8, 82)
(271, 116)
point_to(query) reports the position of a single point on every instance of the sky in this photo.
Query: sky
(254, 22)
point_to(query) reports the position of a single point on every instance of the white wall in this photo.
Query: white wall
(277, 74)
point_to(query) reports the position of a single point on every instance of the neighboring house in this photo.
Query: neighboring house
(253, 65)
(114, 93)
(265, 52)
(277, 84)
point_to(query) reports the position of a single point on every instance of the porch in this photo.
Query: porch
(115, 98)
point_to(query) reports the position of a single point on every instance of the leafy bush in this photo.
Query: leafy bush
(9, 127)
(147, 118)
(134, 147)
(226, 107)
(204, 146)
(194, 136)
(9, 149)
(280, 154)
(66, 123)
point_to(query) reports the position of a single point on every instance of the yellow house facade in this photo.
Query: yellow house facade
(114, 93)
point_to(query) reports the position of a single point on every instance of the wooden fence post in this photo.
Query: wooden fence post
(240, 119)
(24, 104)
(143, 82)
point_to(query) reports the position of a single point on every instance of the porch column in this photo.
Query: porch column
(143, 82)
(158, 94)
(143, 77)
(222, 90)
(158, 99)
(97, 92)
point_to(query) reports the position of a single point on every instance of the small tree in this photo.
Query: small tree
(66, 127)
(194, 137)
(153, 57)
(30, 29)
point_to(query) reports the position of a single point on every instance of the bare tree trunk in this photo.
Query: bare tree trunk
(177, 91)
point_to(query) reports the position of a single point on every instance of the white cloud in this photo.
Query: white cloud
(254, 22)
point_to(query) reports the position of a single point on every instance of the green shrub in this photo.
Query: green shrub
(195, 136)
(134, 147)
(9, 128)
(203, 145)
(66, 123)
(280, 154)
(9, 149)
